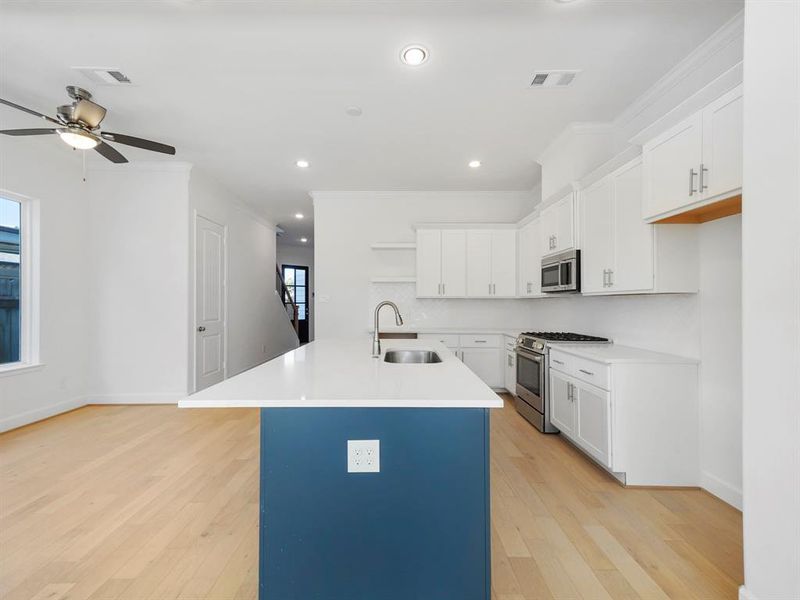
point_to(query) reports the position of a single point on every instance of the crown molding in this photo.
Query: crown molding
(723, 37)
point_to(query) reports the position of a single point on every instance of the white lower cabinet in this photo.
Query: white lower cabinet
(592, 418)
(485, 363)
(484, 354)
(632, 415)
(562, 409)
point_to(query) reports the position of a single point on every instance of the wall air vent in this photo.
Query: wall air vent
(551, 79)
(104, 75)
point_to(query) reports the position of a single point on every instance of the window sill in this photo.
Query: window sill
(19, 368)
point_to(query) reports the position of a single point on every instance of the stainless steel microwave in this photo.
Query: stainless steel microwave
(562, 272)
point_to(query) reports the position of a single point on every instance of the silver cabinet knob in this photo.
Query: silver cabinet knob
(201, 328)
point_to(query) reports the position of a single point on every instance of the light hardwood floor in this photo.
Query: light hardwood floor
(140, 502)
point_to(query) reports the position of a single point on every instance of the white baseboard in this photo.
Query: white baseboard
(39, 414)
(744, 594)
(155, 398)
(721, 489)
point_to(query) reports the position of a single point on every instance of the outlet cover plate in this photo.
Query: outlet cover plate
(363, 456)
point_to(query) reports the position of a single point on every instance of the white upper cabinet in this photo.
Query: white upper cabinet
(504, 263)
(458, 263)
(530, 259)
(491, 263)
(621, 253)
(479, 263)
(558, 226)
(441, 263)
(454, 263)
(671, 167)
(597, 235)
(429, 262)
(722, 145)
(697, 162)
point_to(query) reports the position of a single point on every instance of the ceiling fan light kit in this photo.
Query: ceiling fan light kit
(79, 127)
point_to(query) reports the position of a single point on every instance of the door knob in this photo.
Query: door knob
(201, 328)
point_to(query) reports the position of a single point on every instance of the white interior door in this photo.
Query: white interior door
(209, 303)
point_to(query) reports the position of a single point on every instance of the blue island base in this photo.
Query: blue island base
(417, 530)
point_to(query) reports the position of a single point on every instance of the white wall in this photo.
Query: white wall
(139, 252)
(771, 300)
(49, 172)
(258, 327)
(346, 223)
(292, 254)
(721, 358)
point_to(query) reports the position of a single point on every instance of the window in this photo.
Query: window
(18, 283)
(10, 216)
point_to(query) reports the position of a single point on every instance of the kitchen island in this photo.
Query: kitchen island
(404, 519)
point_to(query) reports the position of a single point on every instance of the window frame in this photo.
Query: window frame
(29, 307)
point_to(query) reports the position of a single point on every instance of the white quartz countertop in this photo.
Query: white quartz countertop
(342, 373)
(615, 353)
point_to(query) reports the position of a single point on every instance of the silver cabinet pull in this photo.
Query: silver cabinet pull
(611, 278)
(439, 289)
(490, 289)
(510, 361)
(570, 393)
(703, 186)
(443, 290)
(494, 289)
(558, 362)
(585, 371)
(605, 277)
(480, 341)
(692, 175)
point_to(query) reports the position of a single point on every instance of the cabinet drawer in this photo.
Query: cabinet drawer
(481, 341)
(448, 339)
(586, 370)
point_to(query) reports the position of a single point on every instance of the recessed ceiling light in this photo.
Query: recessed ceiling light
(298, 215)
(353, 111)
(474, 164)
(303, 164)
(414, 55)
(304, 240)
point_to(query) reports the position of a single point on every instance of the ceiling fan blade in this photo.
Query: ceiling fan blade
(29, 111)
(137, 142)
(27, 131)
(110, 153)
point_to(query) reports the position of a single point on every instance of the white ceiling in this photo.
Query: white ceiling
(244, 89)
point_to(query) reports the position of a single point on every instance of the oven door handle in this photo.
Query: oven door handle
(529, 355)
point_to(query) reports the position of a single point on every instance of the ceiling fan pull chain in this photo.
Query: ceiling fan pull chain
(84, 166)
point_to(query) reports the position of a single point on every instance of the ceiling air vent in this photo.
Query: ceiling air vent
(104, 75)
(548, 79)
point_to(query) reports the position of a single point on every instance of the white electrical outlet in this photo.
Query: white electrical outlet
(363, 456)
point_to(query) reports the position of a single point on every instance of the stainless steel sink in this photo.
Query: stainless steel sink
(411, 356)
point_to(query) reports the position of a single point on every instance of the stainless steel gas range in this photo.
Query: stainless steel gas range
(533, 364)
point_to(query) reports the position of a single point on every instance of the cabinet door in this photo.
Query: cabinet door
(549, 228)
(486, 364)
(454, 263)
(511, 372)
(479, 263)
(562, 409)
(504, 262)
(597, 235)
(722, 145)
(429, 262)
(565, 223)
(633, 237)
(671, 168)
(524, 252)
(593, 421)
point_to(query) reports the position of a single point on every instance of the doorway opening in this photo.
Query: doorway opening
(297, 285)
